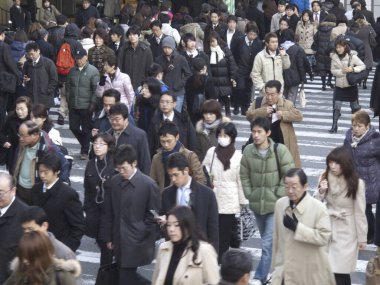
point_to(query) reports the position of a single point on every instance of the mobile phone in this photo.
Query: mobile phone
(154, 213)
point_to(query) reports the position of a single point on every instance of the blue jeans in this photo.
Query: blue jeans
(265, 225)
(179, 103)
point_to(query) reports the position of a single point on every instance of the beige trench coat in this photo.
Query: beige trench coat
(290, 114)
(348, 223)
(187, 273)
(301, 257)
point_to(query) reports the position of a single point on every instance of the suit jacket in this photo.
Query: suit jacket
(204, 206)
(64, 211)
(20, 18)
(234, 42)
(10, 232)
(155, 47)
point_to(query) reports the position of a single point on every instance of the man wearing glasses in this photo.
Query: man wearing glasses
(11, 209)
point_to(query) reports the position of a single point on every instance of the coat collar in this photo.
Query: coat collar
(303, 205)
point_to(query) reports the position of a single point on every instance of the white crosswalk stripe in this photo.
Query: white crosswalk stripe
(314, 142)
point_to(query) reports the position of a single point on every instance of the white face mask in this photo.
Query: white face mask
(224, 141)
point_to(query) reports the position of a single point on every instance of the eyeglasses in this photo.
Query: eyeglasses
(166, 102)
(3, 193)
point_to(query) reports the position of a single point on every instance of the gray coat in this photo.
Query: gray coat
(128, 223)
(363, 34)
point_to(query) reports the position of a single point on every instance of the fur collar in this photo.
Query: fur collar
(70, 265)
(199, 128)
(331, 24)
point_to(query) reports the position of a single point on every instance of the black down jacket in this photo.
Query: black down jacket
(294, 75)
(321, 47)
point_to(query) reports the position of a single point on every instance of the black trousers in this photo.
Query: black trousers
(371, 222)
(3, 108)
(105, 254)
(244, 93)
(228, 236)
(80, 121)
(129, 276)
(342, 279)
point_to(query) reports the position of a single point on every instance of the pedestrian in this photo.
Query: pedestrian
(291, 16)
(20, 18)
(214, 25)
(186, 257)
(361, 139)
(318, 14)
(223, 166)
(375, 98)
(155, 40)
(18, 45)
(344, 194)
(86, 12)
(97, 176)
(301, 235)
(130, 230)
(167, 28)
(236, 267)
(275, 22)
(98, 54)
(60, 202)
(344, 61)
(36, 264)
(253, 14)
(40, 115)
(81, 98)
(192, 51)
(47, 15)
(57, 33)
(192, 27)
(262, 168)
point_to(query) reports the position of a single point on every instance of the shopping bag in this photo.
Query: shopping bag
(246, 224)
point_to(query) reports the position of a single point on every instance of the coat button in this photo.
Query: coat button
(185, 276)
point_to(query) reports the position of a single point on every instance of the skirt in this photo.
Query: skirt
(347, 94)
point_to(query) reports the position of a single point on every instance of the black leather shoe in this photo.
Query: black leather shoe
(60, 120)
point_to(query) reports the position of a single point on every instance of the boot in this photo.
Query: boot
(355, 106)
(329, 83)
(323, 83)
(334, 127)
(236, 110)
(365, 84)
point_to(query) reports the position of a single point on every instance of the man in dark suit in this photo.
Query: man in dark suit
(191, 52)
(128, 226)
(20, 17)
(117, 40)
(11, 209)
(61, 203)
(318, 14)
(125, 133)
(232, 35)
(187, 192)
(215, 25)
(156, 39)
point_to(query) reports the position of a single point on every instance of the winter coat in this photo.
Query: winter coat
(82, 16)
(47, 16)
(170, 31)
(81, 87)
(187, 272)
(227, 184)
(56, 35)
(131, 227)
(98, 62)
(121, 83)
(296, 74)
(111, 8)
(354, 43)
(375, 96)
(340, 29)
(367, 161)
(46, 49)
(157, 171)
(20, 18)
(293, 21)
(252, 13)
(144, 110)
(43, 81)
(135, 62)
(6, 61)
(17, 50)
(301, 4)
(222, 73)
(265, 68)
(94, 201)
(245, 57)
(194, 29)
(363, 34)
(306, 33)
(301, 257)
(321, 47)
(290, 114)
(260, 176)
(348, 223)
(66, 270)
(338, 64)
(275, 22)
(206, 138)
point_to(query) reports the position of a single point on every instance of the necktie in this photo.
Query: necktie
(316, 17)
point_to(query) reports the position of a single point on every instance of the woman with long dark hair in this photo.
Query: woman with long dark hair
(344, 61)
(344, 193)
(99, 170)
(35, 263)
(186, 258)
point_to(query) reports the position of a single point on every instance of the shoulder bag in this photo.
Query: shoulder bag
(354, 78)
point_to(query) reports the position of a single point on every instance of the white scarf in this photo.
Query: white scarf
(216, 54)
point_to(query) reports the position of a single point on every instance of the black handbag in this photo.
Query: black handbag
(7, 82)
(208, 175)
(354, 78)
(108, 274)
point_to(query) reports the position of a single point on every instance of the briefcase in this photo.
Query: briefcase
(7, 82)
(108, 275)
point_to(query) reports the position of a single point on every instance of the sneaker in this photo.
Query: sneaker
(60, 120)
(256, 282)
(83, 156)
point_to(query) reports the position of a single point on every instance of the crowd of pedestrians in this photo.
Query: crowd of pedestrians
(149, 89)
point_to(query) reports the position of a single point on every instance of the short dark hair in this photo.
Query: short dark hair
(117, 30)
(32, 46)
(297, 172)
(111, 60)
(26, 100)
(134, 30)
(119, 109)
(251, 27)
(51, 161)
(215, 11)
(261, 122)
(229, 129)
(155, 69)
(290, 6)
(212, 106)
(232, 18)
(188, 37)
(108, 139)
(341, 19)
(273, 84)
(269, 36)
(21, 36)
(112, 93)
(164, 18)
(102, 33)
(61, 19)
(156, 23)
(284, 20)
(34, 213)
(177, 160)
(235, 263)
(316, 2)
(125, 153)
(171, 94)
(168, 128)
(287, 35)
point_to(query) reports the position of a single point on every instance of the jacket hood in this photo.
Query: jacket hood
(72, 31)
(70, 265)
(327, 24)
(18, 46)
(199, 128)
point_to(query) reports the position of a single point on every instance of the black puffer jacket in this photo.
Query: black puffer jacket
(321, 47)
(223, 72)
(294, 75)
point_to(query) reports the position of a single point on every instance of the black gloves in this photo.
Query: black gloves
(102, 81)
(290, 223)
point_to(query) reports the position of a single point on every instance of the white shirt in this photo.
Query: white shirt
(192, 54)
(229, 37)
(133, 174)
(184, 190)
(44, 187)
(5, 209)
(170, 117)
(274, 115)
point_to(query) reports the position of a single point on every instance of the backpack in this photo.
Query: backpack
(65, 60)
(372, 274)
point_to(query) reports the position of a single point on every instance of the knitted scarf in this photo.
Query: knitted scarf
(224, 154)
(165, 154)
(208, 127)
(356, 140)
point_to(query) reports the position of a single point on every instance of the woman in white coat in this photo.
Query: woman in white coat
(223, 165)
(344, 193)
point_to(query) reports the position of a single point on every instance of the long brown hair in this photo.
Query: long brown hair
(343, 157)
(35, 253)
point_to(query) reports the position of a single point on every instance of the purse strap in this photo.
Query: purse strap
(277, 160)
(212, 160)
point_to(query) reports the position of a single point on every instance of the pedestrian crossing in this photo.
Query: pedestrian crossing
(314, 142)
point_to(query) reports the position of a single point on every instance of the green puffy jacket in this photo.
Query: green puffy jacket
(260, 178)
(81, 86)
